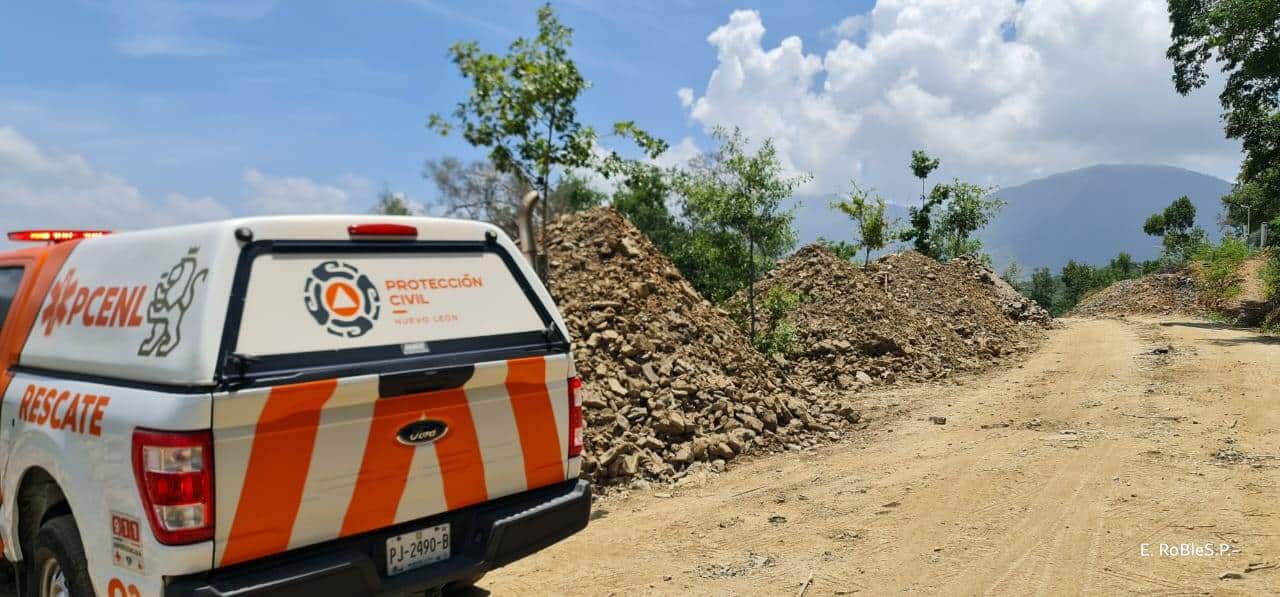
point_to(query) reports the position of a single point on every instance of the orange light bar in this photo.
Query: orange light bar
(54, 236)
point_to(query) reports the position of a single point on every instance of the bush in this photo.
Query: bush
(777, 334)
(1271, 275)
(1218, 266)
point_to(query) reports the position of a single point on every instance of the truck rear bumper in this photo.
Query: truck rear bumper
(485, 536)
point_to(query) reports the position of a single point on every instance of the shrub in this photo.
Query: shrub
(1218, 268)
(777, 334)
(1271, 275)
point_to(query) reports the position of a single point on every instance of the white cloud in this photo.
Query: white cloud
(679, 154)
(150, 28)
(686, 96)
(1002, 90)
(300, 195)
(39, 188)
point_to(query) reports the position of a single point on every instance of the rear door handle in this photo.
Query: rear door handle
(391, 385)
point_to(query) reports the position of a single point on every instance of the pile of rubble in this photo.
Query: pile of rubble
(668, 378)
(1156, 294)
(905, 317)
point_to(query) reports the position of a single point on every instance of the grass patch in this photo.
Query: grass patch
(1271, 274)
(1218, 270)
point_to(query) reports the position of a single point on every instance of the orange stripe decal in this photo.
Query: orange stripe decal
(535, 420)
(384, 470)
(277, 473)
(461, 464)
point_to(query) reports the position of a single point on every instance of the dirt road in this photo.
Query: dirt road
(1055, 477)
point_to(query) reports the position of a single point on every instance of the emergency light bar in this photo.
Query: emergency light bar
(54, 236)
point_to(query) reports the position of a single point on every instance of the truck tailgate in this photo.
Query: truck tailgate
(303, 463)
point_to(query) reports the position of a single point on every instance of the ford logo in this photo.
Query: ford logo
(421, 432)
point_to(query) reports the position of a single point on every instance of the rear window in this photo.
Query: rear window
(10, 277)
(406, 303)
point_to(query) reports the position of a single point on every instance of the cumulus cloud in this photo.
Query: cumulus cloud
(1002, 90)
(300, 195)
(39, 188)
(42, 188)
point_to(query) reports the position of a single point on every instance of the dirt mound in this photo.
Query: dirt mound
(669, 380)
(1155, 294)
(906, 317)
(964, 291)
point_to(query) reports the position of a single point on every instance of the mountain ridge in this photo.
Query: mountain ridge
(1088, 214)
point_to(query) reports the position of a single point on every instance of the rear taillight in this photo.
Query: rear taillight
(175, 478)
(575, 417)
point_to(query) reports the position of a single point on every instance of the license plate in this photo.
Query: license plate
(417, 549)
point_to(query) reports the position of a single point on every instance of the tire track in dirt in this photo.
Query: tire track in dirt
(1046, 479)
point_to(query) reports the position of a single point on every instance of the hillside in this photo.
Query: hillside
(1088, 214)
(1093, 213)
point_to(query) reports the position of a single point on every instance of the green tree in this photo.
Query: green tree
(870, 226)
(920, 218)
(1123, 266)
(843, 249)
(733, 202)
(921, 231)
(1043, 289)
(1176, 226)
(778, 334)
(1243, 38)
(643, 196)
(922, 165)
(523, 107)
(1077, 280)
(1012, 274)
(392, 204)
(574, 193)
(970, 208)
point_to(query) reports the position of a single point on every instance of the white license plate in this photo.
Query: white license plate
(417, 549)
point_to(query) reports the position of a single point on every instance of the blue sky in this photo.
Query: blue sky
(182, 97)
(141, 112)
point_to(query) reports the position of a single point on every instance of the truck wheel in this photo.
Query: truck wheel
(58, 567)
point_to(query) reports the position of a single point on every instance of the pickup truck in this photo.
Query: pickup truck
(325, 405)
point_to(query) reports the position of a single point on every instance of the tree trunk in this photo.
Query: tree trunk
(866, 260)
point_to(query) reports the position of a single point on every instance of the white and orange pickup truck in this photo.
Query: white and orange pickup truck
(320, 405)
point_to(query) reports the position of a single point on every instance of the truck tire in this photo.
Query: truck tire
(58, 567)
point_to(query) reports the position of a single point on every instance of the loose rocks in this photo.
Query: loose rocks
(669, 379)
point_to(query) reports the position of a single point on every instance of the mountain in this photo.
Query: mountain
(1089, 215)
(1093, 213)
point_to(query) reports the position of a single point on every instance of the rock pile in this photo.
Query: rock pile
(1156, 294)
(668, 379)
(905, 317)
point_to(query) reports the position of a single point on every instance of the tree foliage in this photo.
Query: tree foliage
(965, 208)
(523, 107)
(644, 196)
(1243, 38)
(1059, 294)
(778, 333)
(573, 192)
(732, 200)
(970, 208)
(872, 230)
(392, 204)
(1176, 226)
